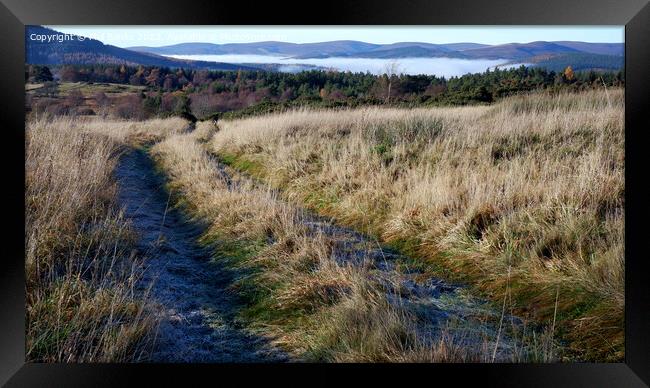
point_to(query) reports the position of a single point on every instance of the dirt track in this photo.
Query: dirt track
(198, 311)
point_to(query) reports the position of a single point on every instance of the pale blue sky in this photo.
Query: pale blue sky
(126, 36)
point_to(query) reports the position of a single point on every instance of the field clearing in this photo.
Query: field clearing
(29, 86)
(523, 199)
(89, 88)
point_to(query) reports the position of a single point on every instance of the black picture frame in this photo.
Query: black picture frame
(634, 14)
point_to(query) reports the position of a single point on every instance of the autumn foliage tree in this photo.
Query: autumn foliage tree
(569, 74)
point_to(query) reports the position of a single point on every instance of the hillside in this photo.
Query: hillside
(580, 62)
(617, 49)
(518, 51)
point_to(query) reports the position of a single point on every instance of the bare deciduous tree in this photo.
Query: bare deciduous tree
(391, 69)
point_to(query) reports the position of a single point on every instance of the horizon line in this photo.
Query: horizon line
(159, 36)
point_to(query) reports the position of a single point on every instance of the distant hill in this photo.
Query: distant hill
(261, 48)
(410, 52)
(395, 51)
(617, 49)
(463, 46)
(91, 51)
(518, 51)
(580, 61)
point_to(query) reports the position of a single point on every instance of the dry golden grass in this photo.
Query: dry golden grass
(313, 306)
(523, 199)
(80, 270)
(134, 132)
(533, 185)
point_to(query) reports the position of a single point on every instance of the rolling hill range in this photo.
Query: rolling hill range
(554, 55)
(340, 48)
(356, 49)
(307, 50)
(91, 51)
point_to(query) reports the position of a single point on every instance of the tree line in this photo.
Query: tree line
(204, 93)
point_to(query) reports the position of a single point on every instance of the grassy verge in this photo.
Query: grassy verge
(524, 199)
(81, 270)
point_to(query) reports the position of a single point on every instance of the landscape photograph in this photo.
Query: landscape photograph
(319, 194)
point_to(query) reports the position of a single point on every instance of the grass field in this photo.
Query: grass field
(523, 199)
(88, 88)
(296, 290)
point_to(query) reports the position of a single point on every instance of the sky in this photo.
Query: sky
(128, 36)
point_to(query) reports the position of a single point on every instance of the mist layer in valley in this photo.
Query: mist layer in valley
(442, 67)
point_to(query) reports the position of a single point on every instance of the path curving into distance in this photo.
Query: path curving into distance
(198, 311)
